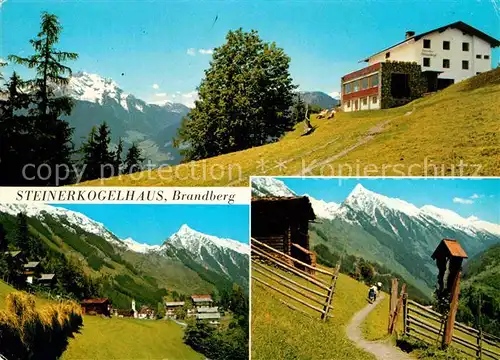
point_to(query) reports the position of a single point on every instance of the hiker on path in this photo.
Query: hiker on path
(373, 292)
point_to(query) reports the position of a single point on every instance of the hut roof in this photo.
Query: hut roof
(292, 206)
(46, 277)
(174, 303)
(449, 247)
(31, 264)
(201, 298)
(13, 253)
(95, 301)
(208, 309)
(208, 316)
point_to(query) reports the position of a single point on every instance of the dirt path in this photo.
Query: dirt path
(383, 350)
(367, 138)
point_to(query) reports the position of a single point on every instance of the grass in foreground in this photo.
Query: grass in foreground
(457, 124)
(279, 332)
(119, 338)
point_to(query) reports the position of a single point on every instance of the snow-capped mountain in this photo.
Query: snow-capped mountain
(268, 186)
(138, 247)
(223, 256)
(99, 99)
(68, 218)
(323, 209)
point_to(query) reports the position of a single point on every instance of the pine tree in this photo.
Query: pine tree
(133, 160)
(50, 136)
(98, 159)
(118, 157)
(15, 138)
(244, 99)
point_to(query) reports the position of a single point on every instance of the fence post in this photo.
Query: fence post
(479, 343)
(406, 328)
(392, 302)
(329, 298)
(450, 322)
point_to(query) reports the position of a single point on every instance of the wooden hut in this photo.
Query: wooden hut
(96, 306)
(283, 223)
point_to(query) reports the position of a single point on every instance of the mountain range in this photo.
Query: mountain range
(187, 262)
(319, 98)
(390, 231)
(151, 126)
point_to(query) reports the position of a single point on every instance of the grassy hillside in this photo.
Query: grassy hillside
(107, 339)
(281, 333)
(457, 124)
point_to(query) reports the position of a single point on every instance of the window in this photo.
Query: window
(465, 46)
(364, 83)
(446, 45)
(355, 85)
(365, 101)
(479, 72)
(374, 80)
(427, 44)
(427, 61)
(446, 63)
(387, 55)
(347, 88)
(348, 103)
(478, 56)
(374, 99)
(465, 65)
(486, 57)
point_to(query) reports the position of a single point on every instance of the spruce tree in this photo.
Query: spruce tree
(118, 157)
(133, 160)
(98, 159)
(50, 136)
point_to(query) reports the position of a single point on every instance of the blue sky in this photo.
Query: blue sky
(142, 43)
(153, 224)
(466, 197)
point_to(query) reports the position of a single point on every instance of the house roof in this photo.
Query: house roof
(13, 253)
(208, 316)
(95, 301)
(451, 248)
(46, 277)
(31, 264)
(208, 309)
(460, 25)
(201, 297)
(175, 303)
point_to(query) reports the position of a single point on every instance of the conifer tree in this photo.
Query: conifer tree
(50, 136)
(14, 132)
(98, 159)
(118, 157)
(133, 160)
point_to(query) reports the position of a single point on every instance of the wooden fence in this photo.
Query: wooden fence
(312, 291)
(427, 325)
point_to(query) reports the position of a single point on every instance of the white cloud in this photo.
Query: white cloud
(191, 51)
(206, 51)
(186, 99)
(156, 86)
(2, 2)
(458, 200)
(476, 196)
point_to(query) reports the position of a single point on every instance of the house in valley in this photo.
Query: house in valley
(418, 64)
(96, 306)
(171, 307)
(47, 280)
(145, 312)
(32, 271)
(201, 300)
(283, 224)
(212, 318)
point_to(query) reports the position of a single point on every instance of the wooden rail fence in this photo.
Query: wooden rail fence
(427, 325)
(314, 293)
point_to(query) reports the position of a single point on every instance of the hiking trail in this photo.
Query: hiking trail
(382, 349)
